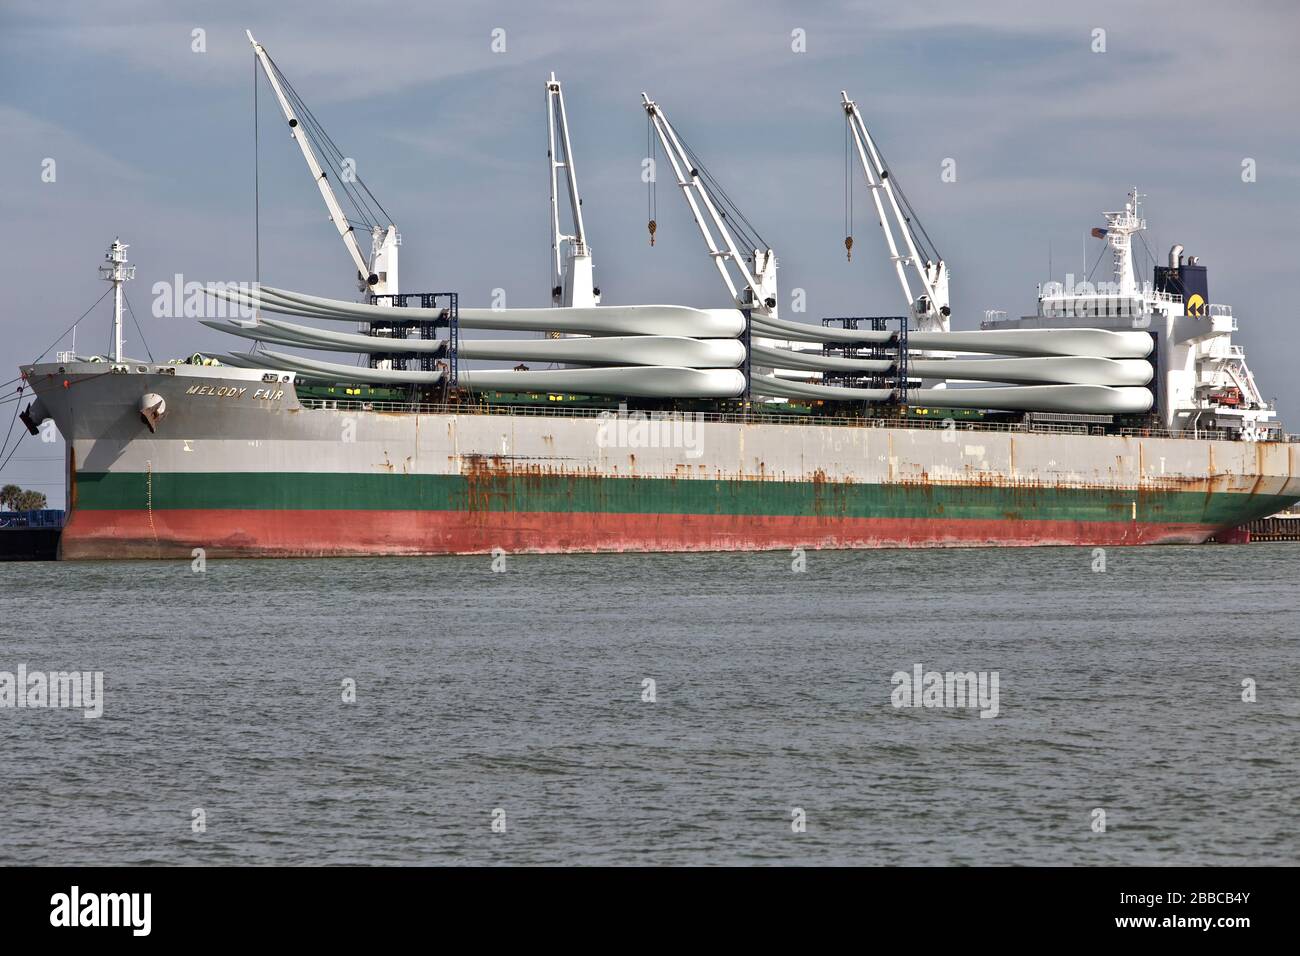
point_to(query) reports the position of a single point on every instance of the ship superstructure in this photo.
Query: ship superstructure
(1202, 380)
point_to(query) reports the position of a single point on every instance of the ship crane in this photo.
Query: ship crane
(377, 274)
(571, 274)
(754, 285)
(930, 310)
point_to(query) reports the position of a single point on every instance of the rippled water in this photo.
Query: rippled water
(523, 691)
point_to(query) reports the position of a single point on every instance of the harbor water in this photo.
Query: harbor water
(659, 709)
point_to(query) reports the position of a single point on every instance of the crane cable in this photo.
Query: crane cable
(746, 231)
(370, 211)
(73, 325)
(848, 194)
(4, 444)
(136, 323)
(257, 187)
(652, 196)
(911, 218)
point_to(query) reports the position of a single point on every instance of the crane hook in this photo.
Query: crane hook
(848, 247)
(653, 226)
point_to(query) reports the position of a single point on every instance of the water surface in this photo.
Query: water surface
(523, 691)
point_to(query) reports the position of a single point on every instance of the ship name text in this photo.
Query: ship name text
(235, 391)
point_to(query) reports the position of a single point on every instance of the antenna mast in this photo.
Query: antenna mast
(1118, 234)
(117, 272)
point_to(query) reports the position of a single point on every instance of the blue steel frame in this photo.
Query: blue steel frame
(427, 327)
(880, 323)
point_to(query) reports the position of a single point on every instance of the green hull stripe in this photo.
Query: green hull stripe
(549, 493)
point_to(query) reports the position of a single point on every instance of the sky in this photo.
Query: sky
(151, 134)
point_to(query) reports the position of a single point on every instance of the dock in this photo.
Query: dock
(1284, 526)
(30, 535)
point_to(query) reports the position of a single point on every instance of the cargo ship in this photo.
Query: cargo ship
(1119, 414)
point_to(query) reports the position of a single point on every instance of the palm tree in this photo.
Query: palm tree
(9, 495)
(29, 501)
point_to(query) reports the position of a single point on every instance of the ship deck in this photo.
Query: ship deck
(938, 419)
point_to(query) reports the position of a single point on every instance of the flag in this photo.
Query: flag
(1099, 233)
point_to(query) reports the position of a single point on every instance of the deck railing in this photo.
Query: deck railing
(765, 418)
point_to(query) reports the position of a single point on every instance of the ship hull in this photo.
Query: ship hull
(291, 533)
(236, 473)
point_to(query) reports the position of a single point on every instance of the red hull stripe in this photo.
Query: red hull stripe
(225, 532)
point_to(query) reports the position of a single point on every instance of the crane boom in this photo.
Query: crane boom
(931, 309)
(379, 275)
(756, 290)
(571, 286)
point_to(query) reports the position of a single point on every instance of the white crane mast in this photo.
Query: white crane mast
(571, 281)
(379, 275)
(757, 269)
(931, 310)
